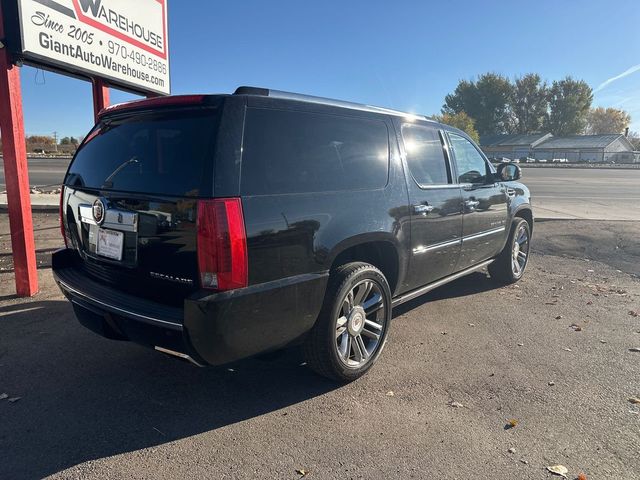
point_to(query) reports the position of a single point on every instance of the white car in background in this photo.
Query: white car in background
(542, 160)
(560, 160)
(529, 160)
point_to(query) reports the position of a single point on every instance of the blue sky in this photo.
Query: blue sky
(403, 54)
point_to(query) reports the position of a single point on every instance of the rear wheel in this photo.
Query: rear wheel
(509, 266)
(352, 327)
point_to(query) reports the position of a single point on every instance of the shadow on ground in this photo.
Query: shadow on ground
(84, 397)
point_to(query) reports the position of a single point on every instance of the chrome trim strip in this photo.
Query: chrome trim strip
(113, 218)
(429, 248)
(86, 214)
(483, 234)
(427, 288)
(439, 186)
(144, 318)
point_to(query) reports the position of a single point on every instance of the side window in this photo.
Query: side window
(425, 155)
(472, 168)
(300, 152)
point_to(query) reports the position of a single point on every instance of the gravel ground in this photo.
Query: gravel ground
(460, 364)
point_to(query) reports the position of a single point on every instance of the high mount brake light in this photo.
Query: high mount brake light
(222, 244)
(178, 100)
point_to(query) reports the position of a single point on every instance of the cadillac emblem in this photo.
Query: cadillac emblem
(98, 210)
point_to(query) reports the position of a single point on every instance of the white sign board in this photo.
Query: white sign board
(122, 41)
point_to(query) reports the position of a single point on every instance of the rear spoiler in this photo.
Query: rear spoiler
(159, 102)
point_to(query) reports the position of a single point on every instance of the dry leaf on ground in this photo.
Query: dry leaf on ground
(558, 470)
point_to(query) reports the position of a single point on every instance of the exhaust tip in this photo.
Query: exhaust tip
(181, 355)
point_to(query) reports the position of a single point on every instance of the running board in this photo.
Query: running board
(427, 288)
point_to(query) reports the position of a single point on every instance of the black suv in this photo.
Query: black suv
(217, 227)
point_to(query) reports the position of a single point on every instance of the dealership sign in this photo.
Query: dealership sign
(122, 41)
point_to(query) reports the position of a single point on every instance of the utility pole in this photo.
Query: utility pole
(55, 139)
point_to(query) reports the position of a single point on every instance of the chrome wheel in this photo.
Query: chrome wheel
(520, 251)
(360, 323)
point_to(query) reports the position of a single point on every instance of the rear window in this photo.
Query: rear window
(299, 152)
(166, 153)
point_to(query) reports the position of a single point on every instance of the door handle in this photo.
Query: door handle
(471, 204)
(422, 209)
(511, 192)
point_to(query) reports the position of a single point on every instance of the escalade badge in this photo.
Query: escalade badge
(98, 210)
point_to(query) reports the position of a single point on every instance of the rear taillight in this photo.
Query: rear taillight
(222, 244)
(62, 229)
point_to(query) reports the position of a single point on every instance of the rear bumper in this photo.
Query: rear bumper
(211, 328)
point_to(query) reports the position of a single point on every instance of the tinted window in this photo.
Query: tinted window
(294, 152)
(472, 167)
(425, 155)
(162, 153)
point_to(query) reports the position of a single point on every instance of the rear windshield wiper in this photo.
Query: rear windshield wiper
(108, 182)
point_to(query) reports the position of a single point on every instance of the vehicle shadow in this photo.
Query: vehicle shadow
(85, 398)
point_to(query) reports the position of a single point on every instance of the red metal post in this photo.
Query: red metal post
(100, 96)
(16, 175)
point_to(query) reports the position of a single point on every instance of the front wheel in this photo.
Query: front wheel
(509, 266)
(352, 327)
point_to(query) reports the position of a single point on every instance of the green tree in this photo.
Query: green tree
(459, 120)
(65, 141)
(530, 103)
(607, 120)
(487, 101)
(569, 104)
(40, 140)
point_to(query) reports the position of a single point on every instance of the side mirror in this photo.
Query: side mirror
(508, 172)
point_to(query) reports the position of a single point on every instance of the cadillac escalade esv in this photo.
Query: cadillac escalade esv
(216, 227)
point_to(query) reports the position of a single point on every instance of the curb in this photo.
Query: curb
(4, 208)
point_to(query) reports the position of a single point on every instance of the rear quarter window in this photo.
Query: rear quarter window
(301, 152)
(166, 153)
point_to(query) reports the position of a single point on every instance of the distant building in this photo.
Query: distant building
(610, 148)
(512, 146)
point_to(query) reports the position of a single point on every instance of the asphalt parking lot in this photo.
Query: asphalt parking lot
(552, 353)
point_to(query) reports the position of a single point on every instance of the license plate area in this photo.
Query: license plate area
(109, 244)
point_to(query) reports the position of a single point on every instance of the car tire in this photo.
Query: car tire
(509, 266)
(351, 330)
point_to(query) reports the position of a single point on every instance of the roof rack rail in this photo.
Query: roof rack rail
(266, 92)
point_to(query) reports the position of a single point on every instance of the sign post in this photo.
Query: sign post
(117, 43)
(100, 96)
(14, 150)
